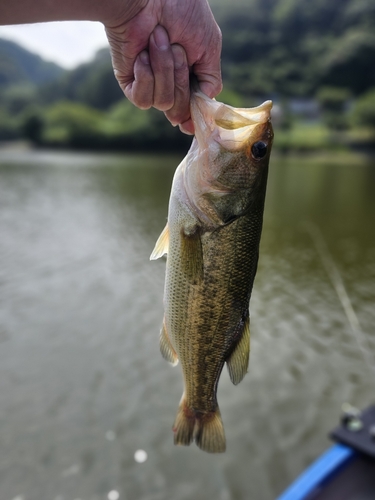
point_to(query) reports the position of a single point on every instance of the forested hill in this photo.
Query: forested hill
(19, 66)
(92, 83)
(292, 47)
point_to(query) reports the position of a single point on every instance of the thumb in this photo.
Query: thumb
(208, 70)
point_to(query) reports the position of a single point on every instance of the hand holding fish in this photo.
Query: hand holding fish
(153, 51)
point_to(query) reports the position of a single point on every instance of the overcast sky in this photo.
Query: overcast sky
(65, 43)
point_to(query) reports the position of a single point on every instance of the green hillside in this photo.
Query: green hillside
(92, 83)
(19, 66)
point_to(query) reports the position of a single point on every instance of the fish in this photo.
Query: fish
(211, 241)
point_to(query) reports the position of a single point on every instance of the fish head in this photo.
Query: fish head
(230, 154)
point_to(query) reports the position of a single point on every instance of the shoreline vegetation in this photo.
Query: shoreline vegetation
(300, 138)
(314, 60)
(333, 156)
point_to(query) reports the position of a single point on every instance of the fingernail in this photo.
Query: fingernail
(144, 57)
(161, 37)
(178, 56)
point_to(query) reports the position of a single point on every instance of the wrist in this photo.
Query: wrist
(111, 13)
(119, 12)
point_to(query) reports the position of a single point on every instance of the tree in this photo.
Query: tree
(333, 103)
(364, 110)
(32, 124)
(73, 124)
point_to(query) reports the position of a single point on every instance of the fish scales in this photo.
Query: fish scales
(212, 244)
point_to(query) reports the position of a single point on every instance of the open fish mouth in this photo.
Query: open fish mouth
(231, 127)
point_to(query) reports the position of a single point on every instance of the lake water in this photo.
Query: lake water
(82, 383)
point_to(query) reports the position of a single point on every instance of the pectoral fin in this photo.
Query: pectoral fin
(238, 361)
(162, 244)
(192, 256)
(166, 348)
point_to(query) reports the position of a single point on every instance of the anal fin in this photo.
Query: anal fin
(238, 361)
(166, 348)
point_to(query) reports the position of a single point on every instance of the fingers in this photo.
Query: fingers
(161, 80)
(208, 69)
(180, 111)
(162, 64)
(153, 83)
(141, 92)
(126, 44)
(153, 51)
(187, 127)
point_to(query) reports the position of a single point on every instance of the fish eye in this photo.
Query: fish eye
(259, 150)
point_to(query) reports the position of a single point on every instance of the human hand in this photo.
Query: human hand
(154, 51)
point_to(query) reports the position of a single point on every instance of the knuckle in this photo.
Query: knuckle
(143, 106)
(142, 101)
(172, 117)
(162, 106)
(176, 115)
(164, 103)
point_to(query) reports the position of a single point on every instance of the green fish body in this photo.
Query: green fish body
(212, 245)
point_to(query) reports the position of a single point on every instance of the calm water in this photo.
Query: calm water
(82, 383)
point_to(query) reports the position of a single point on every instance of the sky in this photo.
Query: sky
(67, 43)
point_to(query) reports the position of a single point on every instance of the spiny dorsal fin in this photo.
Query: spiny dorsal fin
(192, 256)
(166, 348)
(238, 361)
(162, 245)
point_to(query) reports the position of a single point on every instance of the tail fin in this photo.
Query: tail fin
(209, 432)
(184, 425)
(205, 428)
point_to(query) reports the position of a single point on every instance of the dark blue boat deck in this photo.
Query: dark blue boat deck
(339, 474)
(345, 471)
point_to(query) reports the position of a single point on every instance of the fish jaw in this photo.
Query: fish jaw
(228, 126)
(221, 162)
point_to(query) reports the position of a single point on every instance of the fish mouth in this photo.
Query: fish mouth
(230, 127)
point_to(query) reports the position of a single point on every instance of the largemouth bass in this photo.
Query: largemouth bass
(212, 244)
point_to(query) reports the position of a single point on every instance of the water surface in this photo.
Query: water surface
(82, 383)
